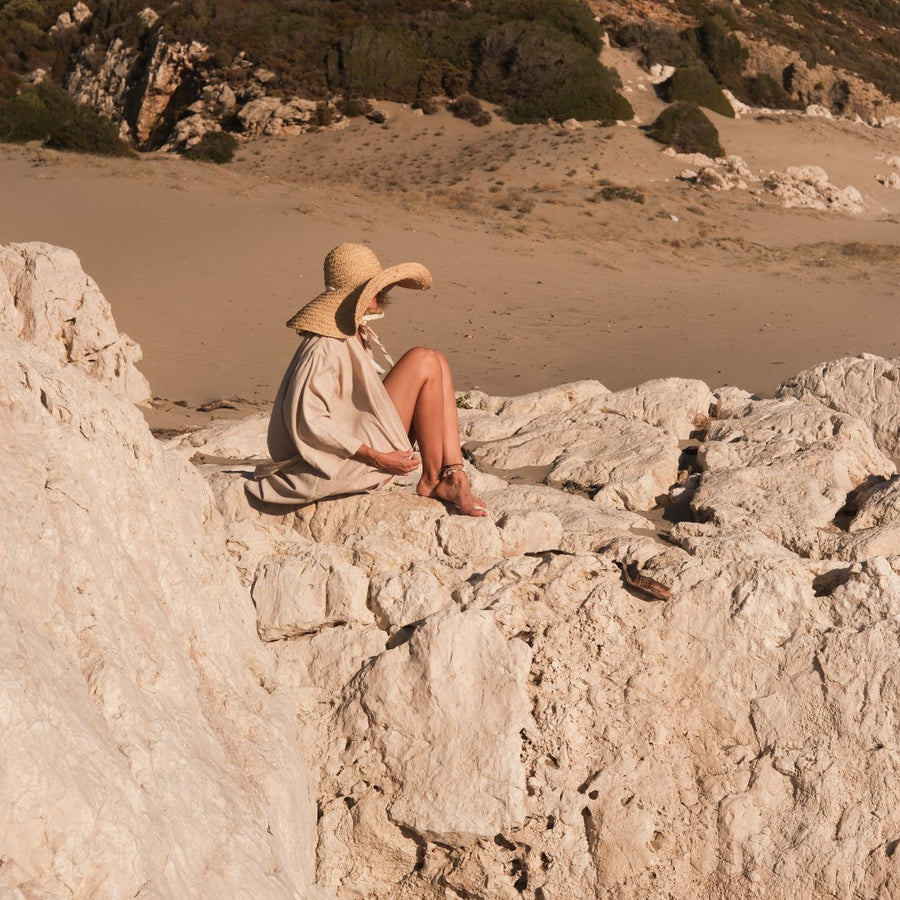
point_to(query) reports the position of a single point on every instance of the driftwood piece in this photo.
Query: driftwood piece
(646, 587)
(216, 404)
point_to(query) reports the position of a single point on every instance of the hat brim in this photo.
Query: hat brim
(338, 313)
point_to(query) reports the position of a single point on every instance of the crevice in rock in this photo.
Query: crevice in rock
(401, 635)
(416, 838)
(825, 584)
(855, 498)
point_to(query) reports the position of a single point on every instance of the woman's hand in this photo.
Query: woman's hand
(395, 462)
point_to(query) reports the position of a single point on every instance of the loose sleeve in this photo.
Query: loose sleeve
(319, 408)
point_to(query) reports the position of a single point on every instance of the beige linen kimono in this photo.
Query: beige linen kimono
(331, 401)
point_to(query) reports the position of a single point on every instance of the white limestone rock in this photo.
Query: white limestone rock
(730, 173)
(310, 589)
(236, 440)
(328, 659)
(473, 539)
(628, 464)
(79, 15)
(620, 446)
(47, 299)
(880, 505)
(891, 180)
(867, 386)
(398, 599)
(131, 678)
(452, 780)
(861, 544)
(484, 418)
(808, 187)
(679, 406)
(529, 531)
(106, 89)
(274, 116)
(784, 468)
(781, 504)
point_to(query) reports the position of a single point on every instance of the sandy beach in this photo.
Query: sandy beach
(537, 279)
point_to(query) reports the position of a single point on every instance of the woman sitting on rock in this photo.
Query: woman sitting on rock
(336, 427)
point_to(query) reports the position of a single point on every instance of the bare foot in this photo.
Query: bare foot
(454, 489)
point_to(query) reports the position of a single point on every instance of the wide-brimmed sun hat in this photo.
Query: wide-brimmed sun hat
(353, 276)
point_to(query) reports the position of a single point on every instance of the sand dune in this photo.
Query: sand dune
(537, 280)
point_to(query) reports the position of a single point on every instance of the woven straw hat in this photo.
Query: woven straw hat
(353, 276)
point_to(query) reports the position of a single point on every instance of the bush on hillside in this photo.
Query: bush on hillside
(386, 64)
(571, 17)
(536, 72)
(428, 105)
(465, 107)
(696, 85)
(468, 107)
(353, 106)
(33, 114)
(88, 132)
(47, 113)
(764, 90)
(658, 44)
(617, 192)
(684, 127)
(325, 114)
(215, 147)
(722, 52)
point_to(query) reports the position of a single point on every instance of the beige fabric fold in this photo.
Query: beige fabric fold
(330, 402)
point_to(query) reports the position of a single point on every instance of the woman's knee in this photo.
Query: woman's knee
(425, 358)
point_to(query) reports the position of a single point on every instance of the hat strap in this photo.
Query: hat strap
(369, 335)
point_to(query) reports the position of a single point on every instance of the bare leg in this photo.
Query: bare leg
(421, 388)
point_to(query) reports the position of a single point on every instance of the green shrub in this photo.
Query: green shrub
(465, 107)
(455, 81)
(536, 72)
(324, 114)
(684, 127)
(722, 52)
(33, 114)
(386, 64)
(89, 132)
(214, 146)
(354, 106)
(468, 107)
(570, 17)
(657, 43)
(696, 85)
(47, 113)
(618, 192)
(428, 105)
(764, 90)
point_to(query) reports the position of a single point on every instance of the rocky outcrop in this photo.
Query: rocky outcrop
(143, 743)
(142, 87)
(808, 187)
(836, 91)
(864, 386)
(47, 300)
(167, 95)
(805, 187)
(79, 15)
(392, 701)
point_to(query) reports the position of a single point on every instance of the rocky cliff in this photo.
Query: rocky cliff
(374, 698)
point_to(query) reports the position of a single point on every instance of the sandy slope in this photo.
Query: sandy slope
(537, 281)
